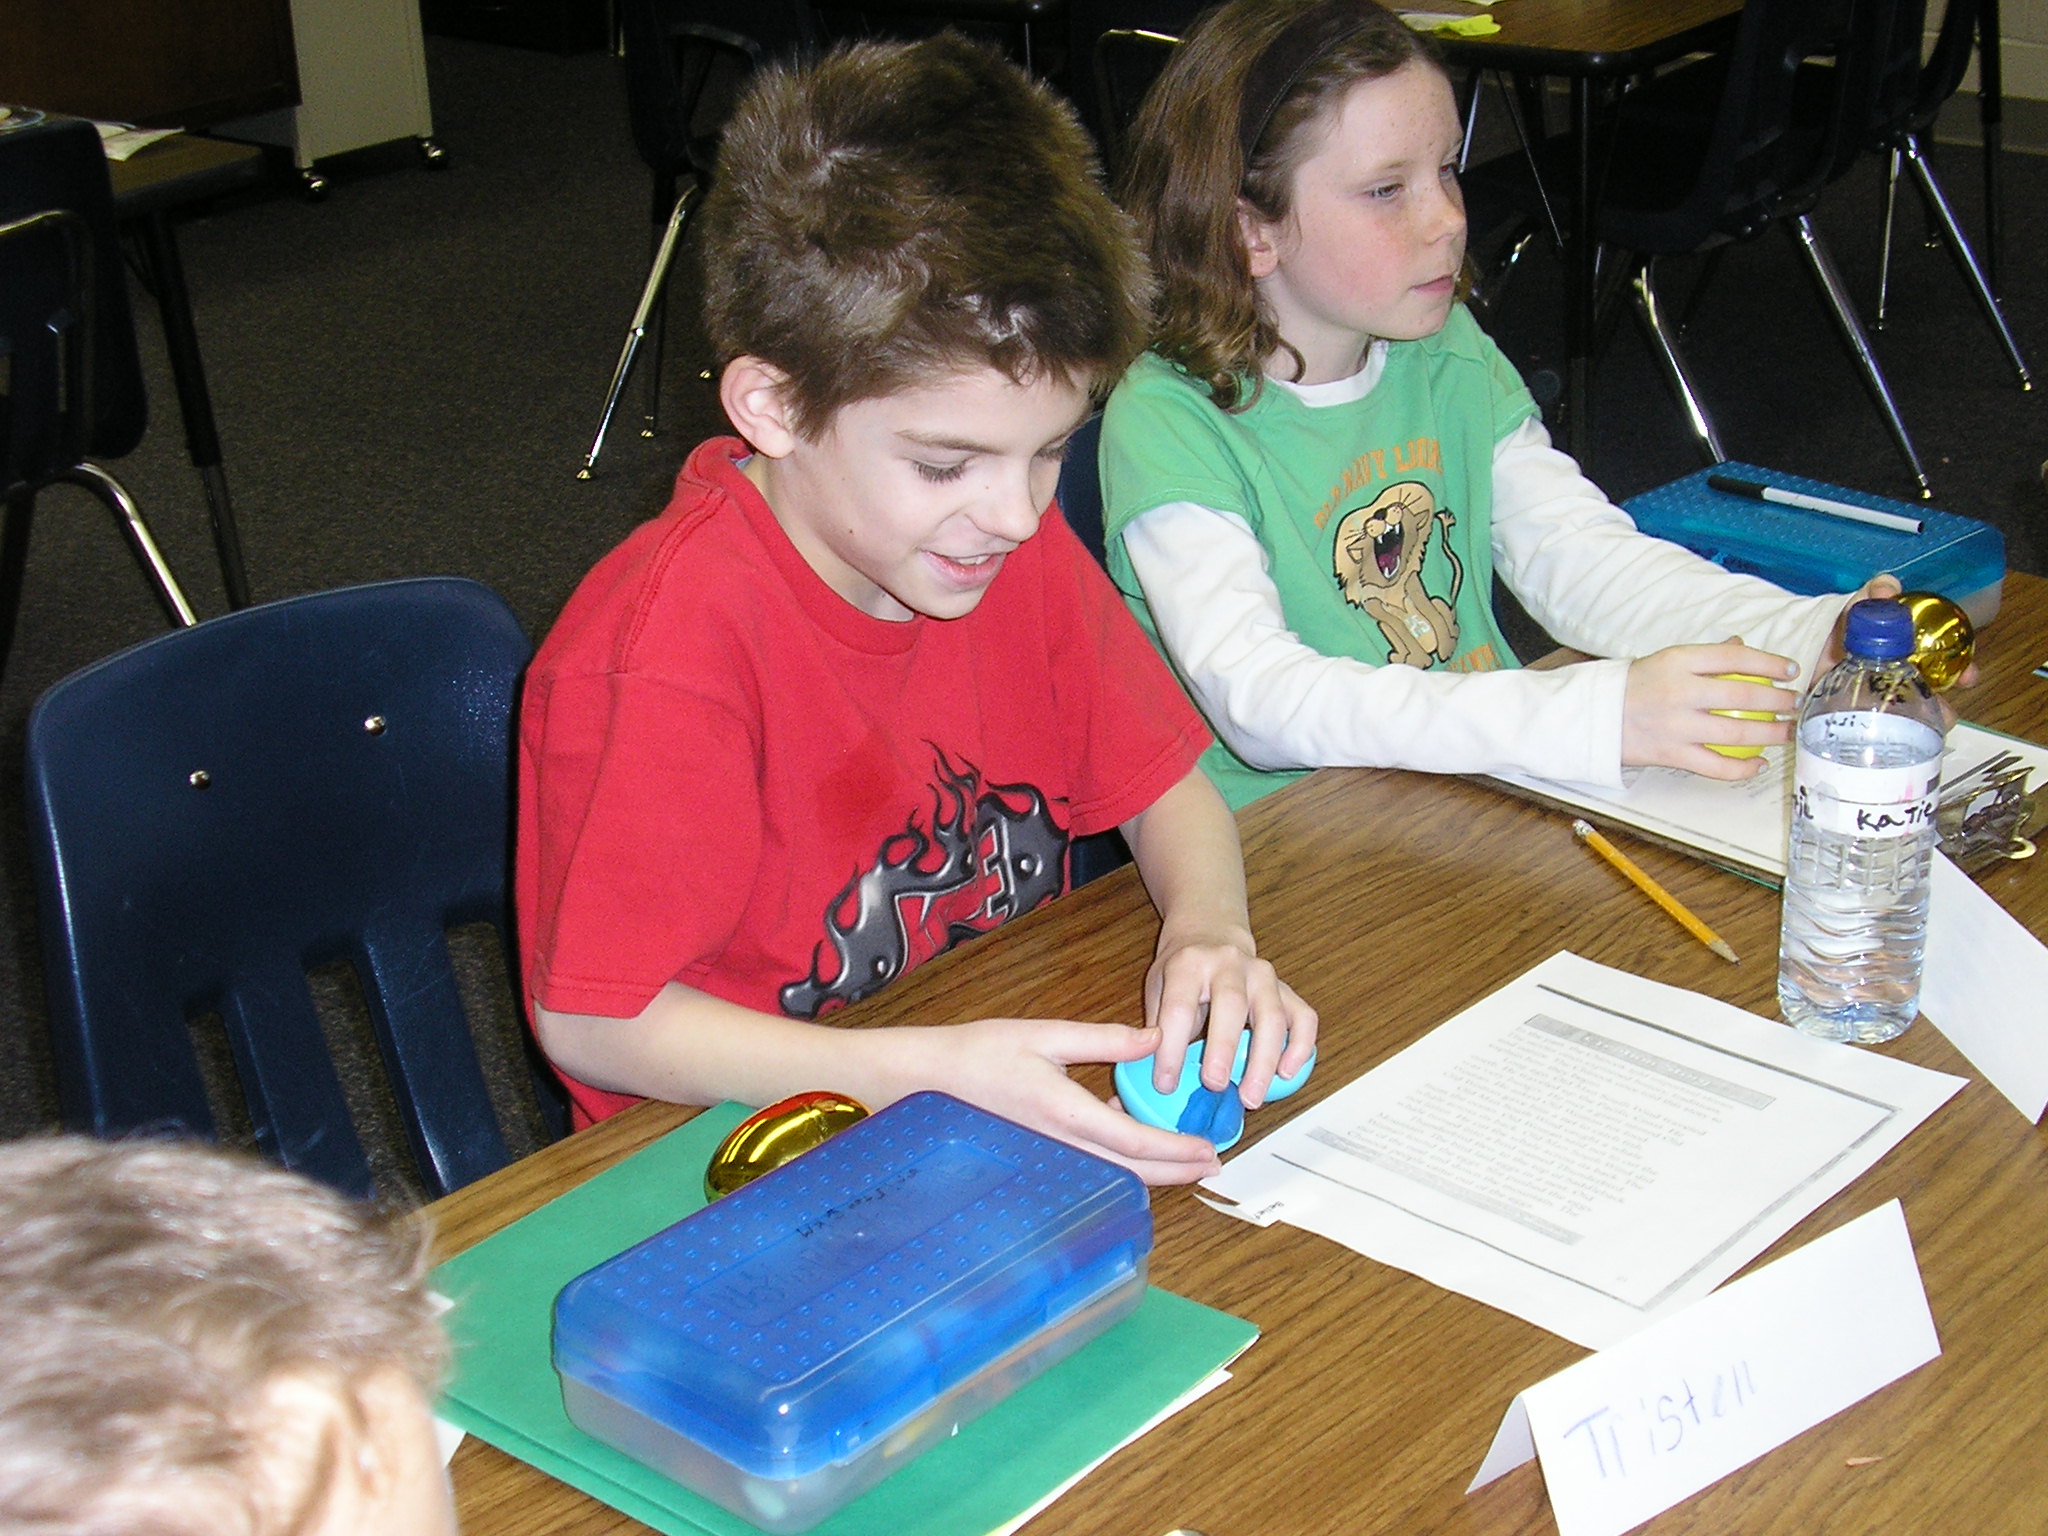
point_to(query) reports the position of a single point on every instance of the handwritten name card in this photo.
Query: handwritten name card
(1628, 1432)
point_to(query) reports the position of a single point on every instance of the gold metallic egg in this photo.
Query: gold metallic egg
(770, 1137)
(1943, 637)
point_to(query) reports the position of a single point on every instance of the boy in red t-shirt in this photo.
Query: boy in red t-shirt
(849, 699)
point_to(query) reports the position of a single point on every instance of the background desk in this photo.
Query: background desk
(1392, 900)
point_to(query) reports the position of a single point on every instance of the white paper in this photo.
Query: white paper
(1982, 987)
(1743, 824)
(1628, 1432)
(121, 140)
(1583, 1148)
(447, 1438)
(1200, 1389)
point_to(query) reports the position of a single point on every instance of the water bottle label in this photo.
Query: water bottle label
(1864, 802)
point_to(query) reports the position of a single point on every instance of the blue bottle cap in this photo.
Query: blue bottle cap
(1880, 628)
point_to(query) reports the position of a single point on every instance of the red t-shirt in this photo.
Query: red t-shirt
(731, 777)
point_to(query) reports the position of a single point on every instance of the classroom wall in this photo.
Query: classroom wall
(2023, 56)
(2024, 25)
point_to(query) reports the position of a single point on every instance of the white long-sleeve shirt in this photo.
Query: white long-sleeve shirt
(1572, 557)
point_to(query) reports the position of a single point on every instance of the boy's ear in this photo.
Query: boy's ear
(1261, 250)
(755, 394)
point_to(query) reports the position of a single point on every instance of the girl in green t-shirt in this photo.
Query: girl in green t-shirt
(1313, 477)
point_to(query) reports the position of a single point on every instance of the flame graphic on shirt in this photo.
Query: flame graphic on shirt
(986, 853)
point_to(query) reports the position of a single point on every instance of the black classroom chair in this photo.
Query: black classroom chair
(1115, 50)
(1913, 99)
(72, 381)
(1726, 149)
(686, 62)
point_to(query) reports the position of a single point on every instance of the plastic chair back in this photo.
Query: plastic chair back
(1108, 48)
(74, 380)
(1771, 143)
(1080, 488)
(686, 60)
(1947, 63)
(1896, 78)
(1080, 499)
(219, 811)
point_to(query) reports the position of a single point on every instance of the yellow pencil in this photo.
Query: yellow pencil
(1654, 891)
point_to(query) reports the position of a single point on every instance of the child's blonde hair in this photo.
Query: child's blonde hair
(1269, 69)
(150, 1293)
(896, 211)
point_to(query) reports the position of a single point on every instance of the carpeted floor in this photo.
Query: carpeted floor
(407, 373)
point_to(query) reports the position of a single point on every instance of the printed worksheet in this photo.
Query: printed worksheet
(1584, 1148)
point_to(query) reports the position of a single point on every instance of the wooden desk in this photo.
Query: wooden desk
(1588, 43)
(1393, 900)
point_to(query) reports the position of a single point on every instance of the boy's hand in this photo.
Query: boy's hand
(1665, 715)
(1017, 1068)
(1217, 980)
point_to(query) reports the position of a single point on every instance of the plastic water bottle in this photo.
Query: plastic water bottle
(1868, 762)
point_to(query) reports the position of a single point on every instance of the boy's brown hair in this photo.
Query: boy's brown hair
(150, 1293)
(1186, 168)
(895, 212)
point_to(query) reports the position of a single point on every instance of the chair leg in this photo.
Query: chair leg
(1884, 247)
(650, 298)
(1807, 238)
(1490, 287)
(1648, 312)
(128, 517)
(1523, 109)
(1709, 265)
(653, 348)
(1468, 109)
(1966, 258)
(20, 514)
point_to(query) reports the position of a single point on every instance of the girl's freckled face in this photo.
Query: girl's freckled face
(1374, 241)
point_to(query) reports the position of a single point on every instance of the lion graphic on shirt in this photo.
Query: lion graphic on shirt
(1378, 565)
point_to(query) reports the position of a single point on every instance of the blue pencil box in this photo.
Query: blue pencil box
(790, 1345)
(1812, 552)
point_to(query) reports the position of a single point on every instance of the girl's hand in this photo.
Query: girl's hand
(1881, 585)
(1218, 981)
(1017, 1068)
(1665, 715)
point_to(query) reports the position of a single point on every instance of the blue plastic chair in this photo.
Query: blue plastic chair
(219, 811)
(1080, 488)
(1080, 499)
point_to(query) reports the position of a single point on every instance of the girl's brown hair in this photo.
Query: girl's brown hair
(1186, 170)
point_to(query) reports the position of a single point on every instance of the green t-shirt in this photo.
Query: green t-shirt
(1376, 514)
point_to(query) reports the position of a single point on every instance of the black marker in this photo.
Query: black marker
(1756, 490)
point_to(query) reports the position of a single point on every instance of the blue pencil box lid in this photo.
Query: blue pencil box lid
(1812, 552)
(814, 1310)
